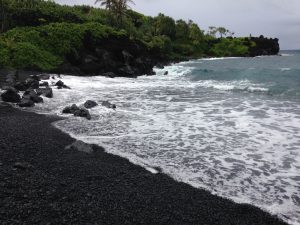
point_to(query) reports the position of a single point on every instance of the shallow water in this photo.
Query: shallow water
(231, 126)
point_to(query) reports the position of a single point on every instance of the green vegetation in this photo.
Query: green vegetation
(40, 34)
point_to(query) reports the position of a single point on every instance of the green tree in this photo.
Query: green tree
(195, 34)
(117, 7)
(164, 25)
(182, 29)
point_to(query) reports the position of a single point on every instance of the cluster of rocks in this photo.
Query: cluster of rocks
(83, 111)
(33, 88)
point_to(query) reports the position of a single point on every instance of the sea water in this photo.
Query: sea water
(229, 125)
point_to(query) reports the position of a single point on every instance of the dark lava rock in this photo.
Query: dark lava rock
(81, 147)
(107, 104)
(47, 92)
(21, 86)
(61, 85)
(26, 102)
(32, 95)
(166, 73)
(90, 104)
(11, 95)
(44, 84)
(70, 109)
(32, 83)
(82, 113)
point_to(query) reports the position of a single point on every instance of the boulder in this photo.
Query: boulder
(44, 84)
(21, 86)
(26, 102)
(11, 95)
(90, 104)
(107, 104)
(83, 113)
(70, 109)
(47, 92)
(32, 83)
(33, 96)
(80, 146)
(59, 83)
(166, 73)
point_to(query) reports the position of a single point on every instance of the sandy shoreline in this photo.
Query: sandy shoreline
(42, 183)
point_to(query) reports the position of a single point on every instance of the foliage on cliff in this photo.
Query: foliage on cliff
(40, 34)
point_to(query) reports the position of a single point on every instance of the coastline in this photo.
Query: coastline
(45, 183)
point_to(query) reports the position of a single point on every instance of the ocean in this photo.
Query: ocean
(228, 125)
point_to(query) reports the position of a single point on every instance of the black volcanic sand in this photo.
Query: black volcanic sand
(42, 183)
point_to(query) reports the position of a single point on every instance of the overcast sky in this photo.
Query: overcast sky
(272, 18)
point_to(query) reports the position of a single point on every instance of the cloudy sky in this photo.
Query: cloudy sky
(272, 18)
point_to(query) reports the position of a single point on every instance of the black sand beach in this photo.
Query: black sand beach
(42, 183)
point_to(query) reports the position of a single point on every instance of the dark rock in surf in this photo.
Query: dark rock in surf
(32, 83)
(11, 95)
(90, 104)
(21, 86)
(33, 96)
(47, 92)
(70, 109)
(83, 113)
(107, 104)
(166, 73)
(26, 102)
(59, 83)
(44, 84)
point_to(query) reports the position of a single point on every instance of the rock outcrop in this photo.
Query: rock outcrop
(112, 57)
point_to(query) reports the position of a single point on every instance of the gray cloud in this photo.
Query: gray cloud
(272, 18)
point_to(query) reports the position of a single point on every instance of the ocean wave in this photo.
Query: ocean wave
(218, 58)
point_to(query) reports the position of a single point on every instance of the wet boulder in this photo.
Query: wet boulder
(44, 84)
(70, 109)
(61, 85)
(11, 95)
(32, 83)
(107, 104)
(21, 86)
(33, 96)
(47, 92)
(83, 113)
(26, 102)
(90, 104)
(166, 73)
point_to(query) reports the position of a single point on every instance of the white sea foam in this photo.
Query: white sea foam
(235, 145)
(285, 69)
(219, 58)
